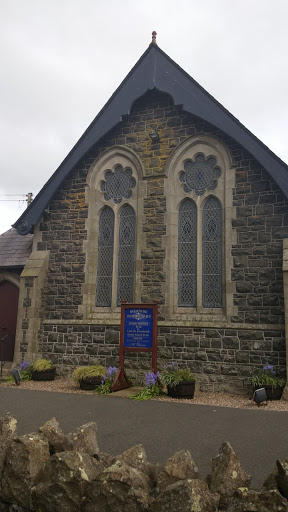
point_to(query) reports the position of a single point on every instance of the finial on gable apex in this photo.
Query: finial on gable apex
(154, 34)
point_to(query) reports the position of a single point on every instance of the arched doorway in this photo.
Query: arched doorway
(9, 294)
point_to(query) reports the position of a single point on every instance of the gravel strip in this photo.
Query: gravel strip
(201, 398)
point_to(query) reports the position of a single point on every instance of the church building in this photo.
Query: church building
(167, 197)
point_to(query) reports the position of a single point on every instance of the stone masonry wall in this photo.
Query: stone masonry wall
(261, 220)
(220, 358)
(261, 223)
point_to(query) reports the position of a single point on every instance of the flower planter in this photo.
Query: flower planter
(44, 374)
(90, 383)
(185, 389)
(272, 392)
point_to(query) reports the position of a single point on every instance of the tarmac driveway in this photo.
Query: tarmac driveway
(258, 436)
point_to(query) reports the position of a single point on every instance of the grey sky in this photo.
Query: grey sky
(62, 59)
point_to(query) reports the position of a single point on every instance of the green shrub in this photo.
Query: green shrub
(267, 377)
(84, 372)
(41, 365)
(172, 375)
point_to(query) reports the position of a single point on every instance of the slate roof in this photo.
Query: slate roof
(14, 249)
(154, 69)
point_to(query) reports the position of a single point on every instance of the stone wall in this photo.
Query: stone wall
(260, 224)
(261, 219)
(221, 359)
(48, 471)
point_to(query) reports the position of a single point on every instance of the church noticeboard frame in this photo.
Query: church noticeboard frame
(138, 333)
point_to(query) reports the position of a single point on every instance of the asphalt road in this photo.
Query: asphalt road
(258, 436)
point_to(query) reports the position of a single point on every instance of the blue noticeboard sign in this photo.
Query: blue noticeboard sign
(138, 328)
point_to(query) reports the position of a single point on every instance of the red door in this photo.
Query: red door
(9, 293)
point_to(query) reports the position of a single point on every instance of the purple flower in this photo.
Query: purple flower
(151, 379)
(24, 365)
(269, 367)
(111, 372)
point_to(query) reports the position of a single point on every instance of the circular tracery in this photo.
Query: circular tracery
(118, 184)
(200, 174)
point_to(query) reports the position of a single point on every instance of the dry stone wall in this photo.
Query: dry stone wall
(48, 472)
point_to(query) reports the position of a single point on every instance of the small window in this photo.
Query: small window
(107, 264)
(187, 254)
(206, 239)
(125, 286)
(105, 258)
(212, 253)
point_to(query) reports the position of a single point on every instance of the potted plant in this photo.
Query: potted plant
(89, 377)
(43, 369)
(267, 378)
(180, 382)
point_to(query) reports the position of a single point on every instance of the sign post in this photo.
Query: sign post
(138, 333)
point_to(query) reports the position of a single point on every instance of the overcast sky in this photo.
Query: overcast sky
(61, 60)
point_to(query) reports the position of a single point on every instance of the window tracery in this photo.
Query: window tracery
(118, 184)
(200, 175)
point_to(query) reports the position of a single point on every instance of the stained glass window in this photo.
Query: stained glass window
(126, 255)
(105, 258)
(212, 254)
(187, 254)
(118, 184)
(200, 175)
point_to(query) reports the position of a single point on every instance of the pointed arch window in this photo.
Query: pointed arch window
(200, 254)
(125, 281)
(187, 254)
(212, 254)
(115, 264)
(105, 258)
(115, 203)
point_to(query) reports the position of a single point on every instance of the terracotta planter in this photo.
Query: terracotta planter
(90, 383)
(272, 392)
(44, 375)
(184, 389)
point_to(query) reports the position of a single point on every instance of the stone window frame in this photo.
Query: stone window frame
(94, 197)
(175, 194)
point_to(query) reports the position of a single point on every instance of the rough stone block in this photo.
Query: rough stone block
(71, 474)
(227, 474)
(84, 439)
(264, 501)
(27, 463)
(120, 487)
(230, 342)
(8, 426)
(54, 435)
(187, 496)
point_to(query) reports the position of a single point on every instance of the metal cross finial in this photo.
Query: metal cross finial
(154, 34)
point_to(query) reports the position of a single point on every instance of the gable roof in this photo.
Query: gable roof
(154, 70)
(14, 249)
